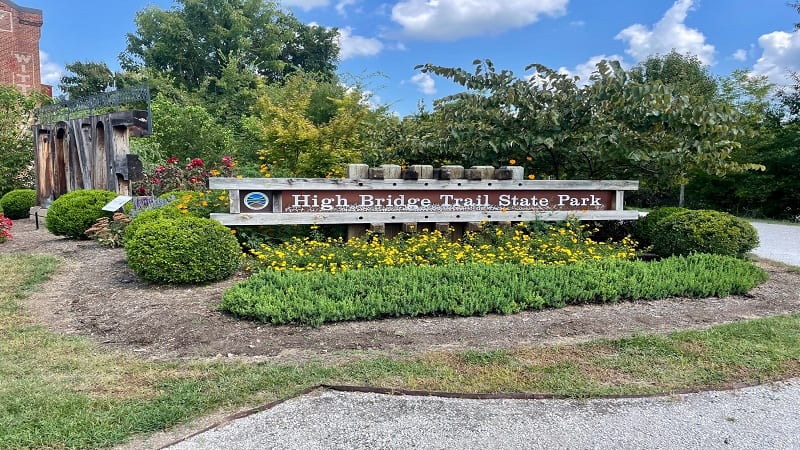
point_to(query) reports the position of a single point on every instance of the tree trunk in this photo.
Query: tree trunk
(681, 197)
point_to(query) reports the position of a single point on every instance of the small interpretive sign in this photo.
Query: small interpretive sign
(117, 203)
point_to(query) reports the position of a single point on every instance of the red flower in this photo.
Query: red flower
(173, 160)
(141, 190)
(197, 162)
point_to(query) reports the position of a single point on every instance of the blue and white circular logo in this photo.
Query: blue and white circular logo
(256, 200)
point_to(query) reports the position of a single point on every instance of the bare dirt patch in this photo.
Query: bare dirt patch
(95, 294)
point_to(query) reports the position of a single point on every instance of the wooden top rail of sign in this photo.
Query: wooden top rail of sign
(294, 201)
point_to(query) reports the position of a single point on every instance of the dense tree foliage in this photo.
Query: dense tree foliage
(245, 78)
(303, 133)
(199, 39)
(616, 125)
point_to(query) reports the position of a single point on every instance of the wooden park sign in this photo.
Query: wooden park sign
(370, 197)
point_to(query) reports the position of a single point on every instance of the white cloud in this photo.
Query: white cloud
(306, 5)
(585, 70)
(449, 20)
(740, 55)
(352, 45)
(424, 83)
(50, 71)
(781, 55)
(669, 33)
(341, 6)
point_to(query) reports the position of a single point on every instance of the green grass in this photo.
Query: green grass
(59, 392)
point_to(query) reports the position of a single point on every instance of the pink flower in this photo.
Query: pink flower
(160, 169)
(227, 159)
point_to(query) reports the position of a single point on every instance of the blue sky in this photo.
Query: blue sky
(382, 41)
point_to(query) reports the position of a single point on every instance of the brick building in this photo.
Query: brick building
(20, 30)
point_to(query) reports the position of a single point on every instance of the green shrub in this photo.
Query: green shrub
(75, 212)
(150, 215)
(186, 250)
(645, 227)
(317, 297)
(16, 204)
(704, 231)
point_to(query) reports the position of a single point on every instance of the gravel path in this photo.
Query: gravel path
(751, 418)
(778, 242)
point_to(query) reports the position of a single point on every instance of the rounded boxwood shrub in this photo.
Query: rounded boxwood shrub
(75, 212)
(16, 204)
(149, 215)
(645, 226)
(703, 231)
(185, 250)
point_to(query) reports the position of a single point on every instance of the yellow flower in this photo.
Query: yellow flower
(531, 177)
(239, 176)
(529, 158)
(512, 161)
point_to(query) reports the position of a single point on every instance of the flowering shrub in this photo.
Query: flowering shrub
(5, 228)
(109, 232)
(569, 243)
(191, 176)
(202, 203)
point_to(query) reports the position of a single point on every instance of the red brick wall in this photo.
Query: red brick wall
(20, 29)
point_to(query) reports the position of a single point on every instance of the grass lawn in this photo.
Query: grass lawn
(60, 392)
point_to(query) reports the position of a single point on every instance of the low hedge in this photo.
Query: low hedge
(703, 231)
(646, 227)
(16, 204)
(185, 250)
(75, 212)
(313, 298)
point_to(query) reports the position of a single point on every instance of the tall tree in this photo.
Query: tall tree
(295, 142)
(199, 38)
(88, 78)
(619, 123)
(16, 139)
(686, 74)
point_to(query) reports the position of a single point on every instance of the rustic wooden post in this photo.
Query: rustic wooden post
(425, 171)
(486, 172)
(451, 172)
(392, 172)
(517, 172)
(357, 172)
